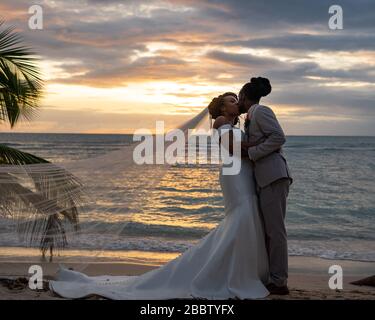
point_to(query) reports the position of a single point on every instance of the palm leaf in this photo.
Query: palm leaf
(41, 200)
(20, 79)
(41, 210)
(13, 156)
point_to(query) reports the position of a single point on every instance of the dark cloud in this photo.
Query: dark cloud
(288, 72)
(143, 69)
(243, 60)
(271, 14)
(308, 42)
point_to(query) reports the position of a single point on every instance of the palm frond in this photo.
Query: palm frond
(20, 78)
(42, 210)
(38, 194)
(22, 57)
(11, 156)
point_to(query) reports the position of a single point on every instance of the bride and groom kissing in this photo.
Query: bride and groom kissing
(246, 255)
(262, 149)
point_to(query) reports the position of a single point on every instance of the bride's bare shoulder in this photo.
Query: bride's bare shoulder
(219, 121)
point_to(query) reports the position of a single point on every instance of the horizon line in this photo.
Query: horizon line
(114, 133)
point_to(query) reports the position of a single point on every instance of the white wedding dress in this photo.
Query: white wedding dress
(229, 262)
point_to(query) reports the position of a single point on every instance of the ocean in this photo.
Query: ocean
(331, 207)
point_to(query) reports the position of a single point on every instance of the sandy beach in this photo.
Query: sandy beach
(308, 278)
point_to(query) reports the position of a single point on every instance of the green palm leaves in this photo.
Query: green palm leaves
(41, 196)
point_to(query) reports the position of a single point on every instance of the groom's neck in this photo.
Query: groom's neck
(249, 105)
(252, 103)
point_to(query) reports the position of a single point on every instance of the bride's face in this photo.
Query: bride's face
(231, 105)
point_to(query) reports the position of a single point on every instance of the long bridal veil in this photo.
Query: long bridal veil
(37, 200)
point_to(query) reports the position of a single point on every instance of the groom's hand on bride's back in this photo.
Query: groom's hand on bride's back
(244, 153)
(245, 147)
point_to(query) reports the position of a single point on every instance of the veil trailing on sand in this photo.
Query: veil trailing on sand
(40, 198)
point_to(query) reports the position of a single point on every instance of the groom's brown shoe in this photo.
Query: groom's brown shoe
(274, 289)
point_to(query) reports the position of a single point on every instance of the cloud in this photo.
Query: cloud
(121, 73)
(309, 42)
(217, 43)
(243, 60)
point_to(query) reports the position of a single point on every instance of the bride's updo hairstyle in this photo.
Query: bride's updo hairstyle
(256, 88)
(215, 108)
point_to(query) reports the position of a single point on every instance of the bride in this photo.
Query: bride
(229, 262)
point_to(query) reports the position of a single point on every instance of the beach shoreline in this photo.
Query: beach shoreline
(308, 277)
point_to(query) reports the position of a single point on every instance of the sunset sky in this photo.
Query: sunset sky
(113, 66)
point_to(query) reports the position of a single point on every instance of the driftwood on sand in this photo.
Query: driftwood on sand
(369, 281)
(19, 283)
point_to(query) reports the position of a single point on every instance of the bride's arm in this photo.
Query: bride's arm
(219, 121)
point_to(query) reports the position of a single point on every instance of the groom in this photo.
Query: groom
(264, 141)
